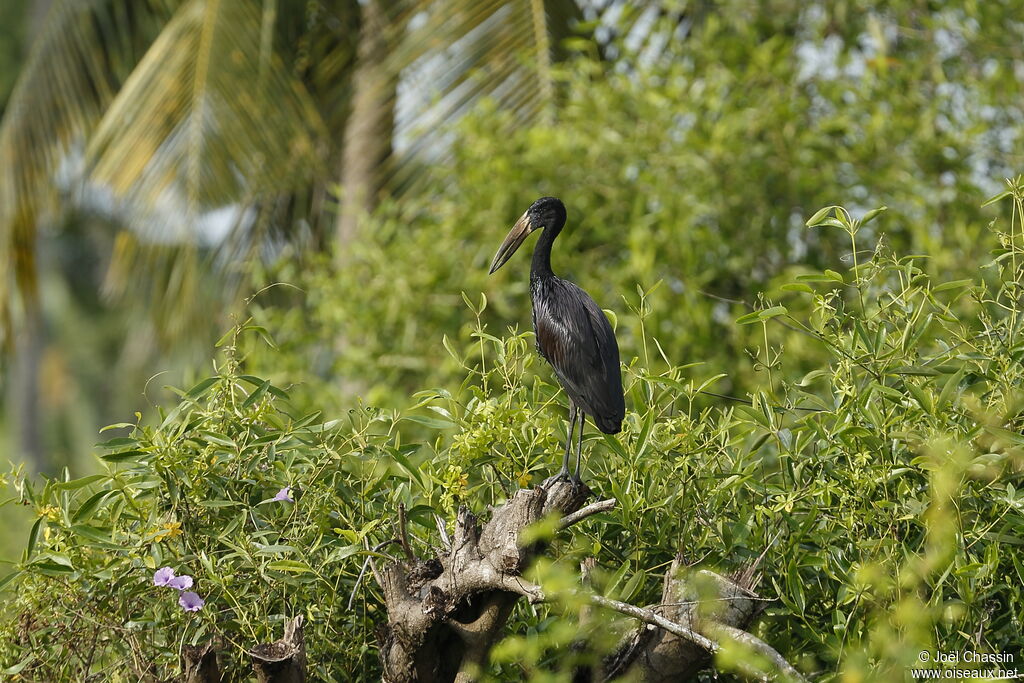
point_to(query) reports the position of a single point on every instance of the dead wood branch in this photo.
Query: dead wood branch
(699, 611)
(445, 613)
(199, 664)
(283, 661)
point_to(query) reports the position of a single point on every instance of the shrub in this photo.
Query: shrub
(882, 488)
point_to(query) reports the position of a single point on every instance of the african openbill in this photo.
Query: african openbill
(573, 334)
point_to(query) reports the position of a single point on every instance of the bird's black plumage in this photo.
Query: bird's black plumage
(573, 334)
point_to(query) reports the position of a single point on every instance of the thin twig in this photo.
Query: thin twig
(584, 512)
(758, 645)
(751, 307)
(367, 562)
(652, 617)
(498, 478)
(403, 534)
(443, 532)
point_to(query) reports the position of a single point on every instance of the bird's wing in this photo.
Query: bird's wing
(575, 337)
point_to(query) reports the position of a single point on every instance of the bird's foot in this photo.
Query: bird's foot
(564, 475)
(566, 492)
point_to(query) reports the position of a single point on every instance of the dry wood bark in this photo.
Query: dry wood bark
(710, 609)
(199, 664)
(445, 613)
(283, 661)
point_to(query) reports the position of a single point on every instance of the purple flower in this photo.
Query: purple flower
(190, 602)
(183, 582)
(284, 495)
(164, 576)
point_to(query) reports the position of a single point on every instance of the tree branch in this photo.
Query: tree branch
(651, 617)
(754, 643)
(583, 513)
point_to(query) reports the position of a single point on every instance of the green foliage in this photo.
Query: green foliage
(882, 488)
(877, 467)
(695, 166)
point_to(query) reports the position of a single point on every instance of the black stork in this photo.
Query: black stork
(573, 334)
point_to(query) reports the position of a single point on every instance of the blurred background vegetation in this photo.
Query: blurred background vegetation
(163, 162)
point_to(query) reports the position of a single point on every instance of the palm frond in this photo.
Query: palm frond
(72, 72)
(209, 118)
(456, 53)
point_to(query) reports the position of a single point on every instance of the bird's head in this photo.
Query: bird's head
(546, 212)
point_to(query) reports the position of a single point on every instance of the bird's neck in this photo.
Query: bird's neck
(540, 269)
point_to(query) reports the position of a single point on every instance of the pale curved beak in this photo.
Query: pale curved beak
(513, 240)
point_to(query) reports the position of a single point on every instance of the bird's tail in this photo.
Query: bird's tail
(609, 425)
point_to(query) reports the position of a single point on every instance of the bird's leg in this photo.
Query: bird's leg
(579, 444)
(568, 441)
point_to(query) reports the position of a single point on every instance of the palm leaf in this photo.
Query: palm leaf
(209, 118)
(460, 52)
(71, 74)
(184, 107)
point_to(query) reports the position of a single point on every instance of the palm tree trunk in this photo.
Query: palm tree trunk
(23, 396)
(367, 143)
(34, 15)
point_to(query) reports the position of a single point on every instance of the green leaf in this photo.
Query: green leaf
(19, 667)
(10, 577)
(33, 537)
(75, 484)
(292, 566)
(52, 568)
(58, 558)
(815, 277)
(920, 395)
(102, 537)
(748, 318)
(275, 549)
(404, 463)
(117, 425)
(219, 439)
(772, 312)
(999, 197)
(257, 394)
(632, 586)
(832, 223)
(818, 217)
(955, 284)
(872, 215)
(645, 432)
(1011, 436)
(124, 456)
(432, 422)
(615, 445)
(201, 388)
(797, 287)
(91, 505)
(258, 382)
(916, 371)
(339, 554)
(219, 503)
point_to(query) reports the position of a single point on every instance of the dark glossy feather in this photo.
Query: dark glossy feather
(574, 336)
